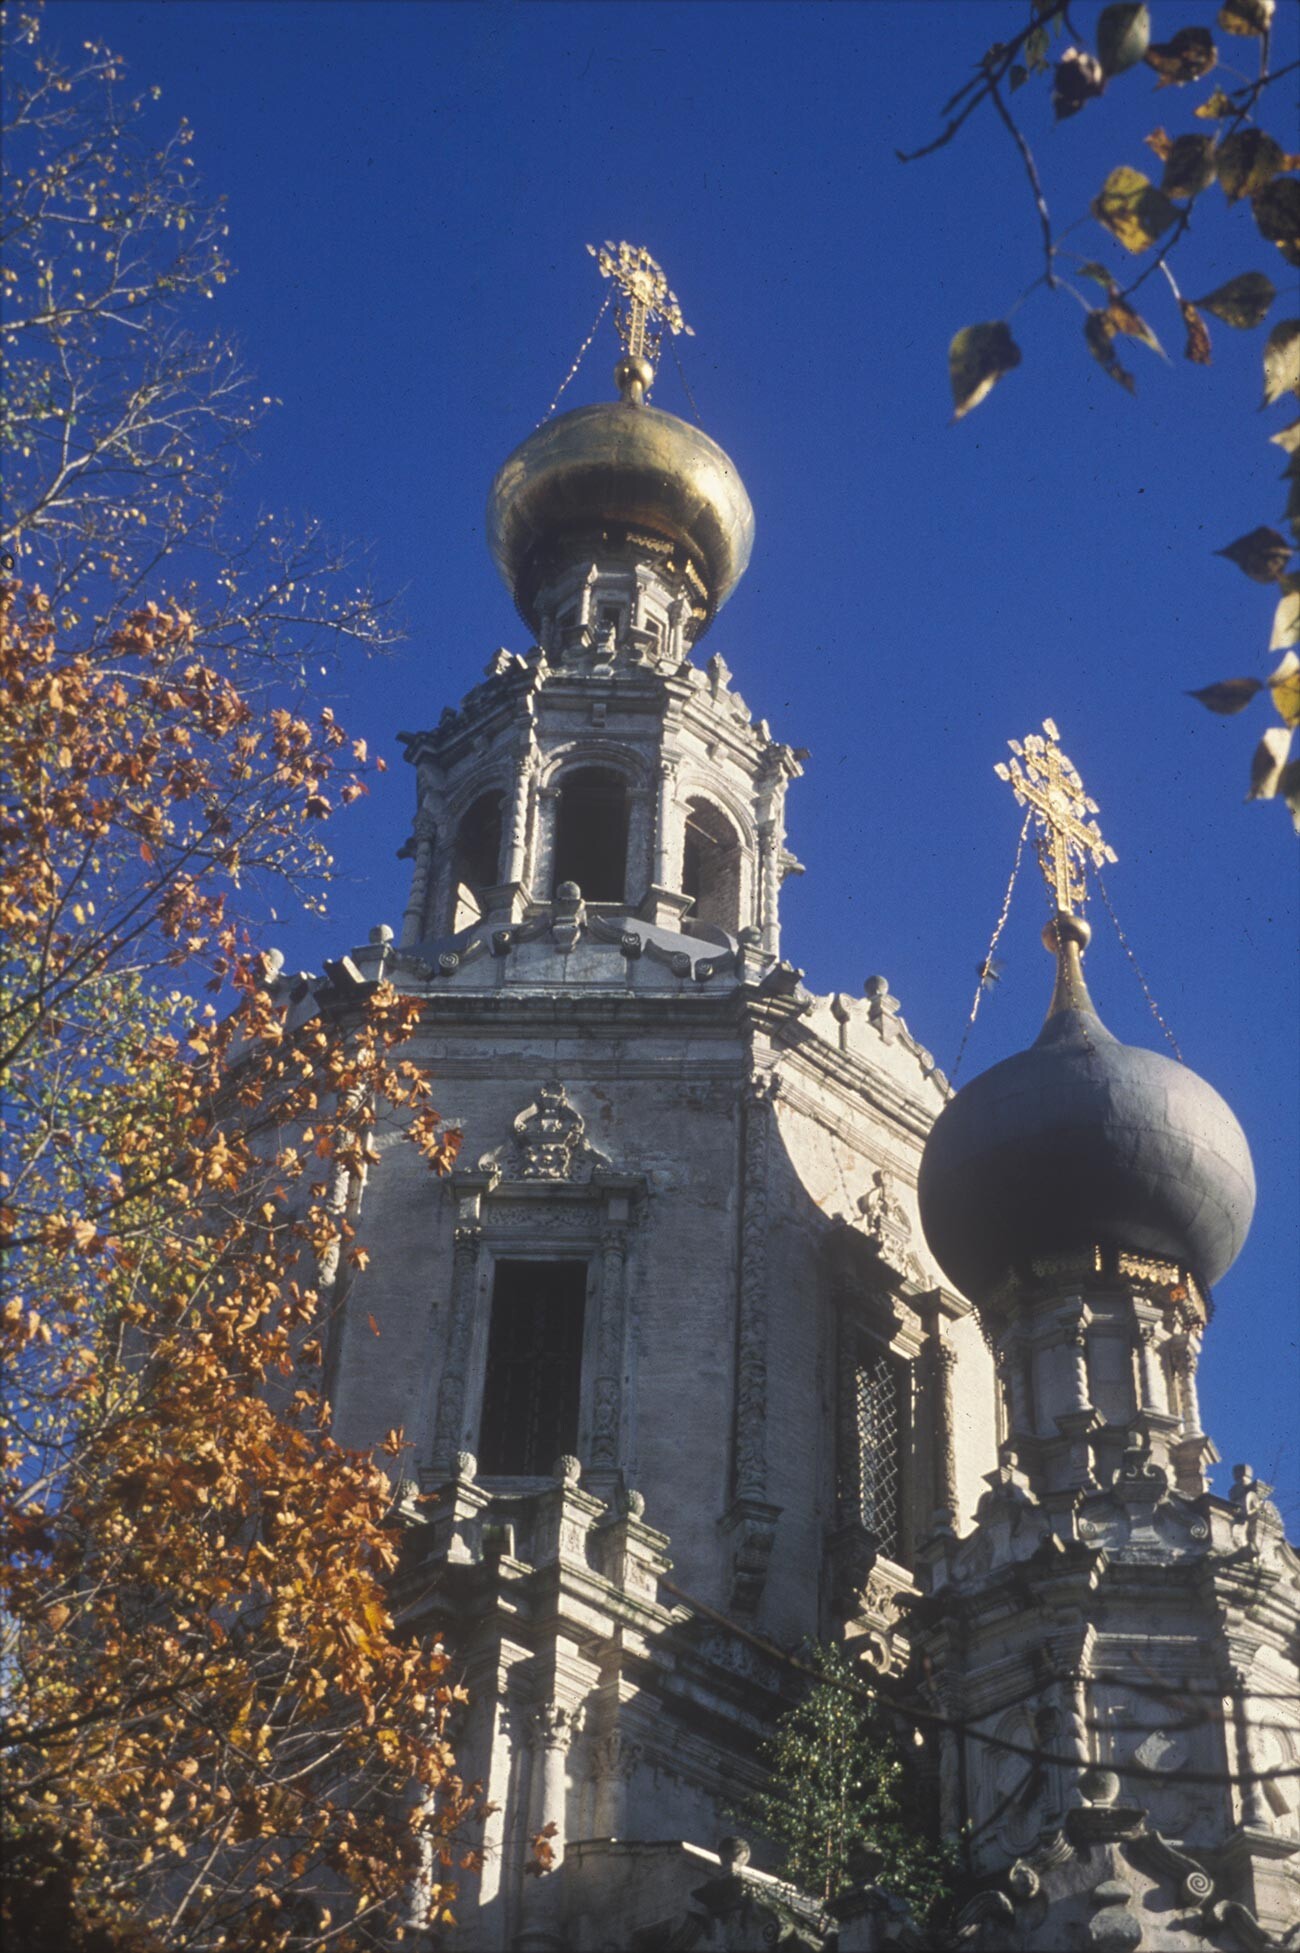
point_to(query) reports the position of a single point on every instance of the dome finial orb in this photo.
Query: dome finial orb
(634, 376)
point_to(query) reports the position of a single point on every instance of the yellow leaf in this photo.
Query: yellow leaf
(1132, 209)
(1286, 624)
(977, 358)
(1270, 757)
(1285, 687)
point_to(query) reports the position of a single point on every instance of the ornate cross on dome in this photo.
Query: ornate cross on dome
(647, 299)
(1049, 785)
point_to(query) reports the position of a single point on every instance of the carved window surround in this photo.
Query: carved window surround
(874, 1321)
(555, 1199)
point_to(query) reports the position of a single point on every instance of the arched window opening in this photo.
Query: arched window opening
(533, 1384)
(591, 833)
(476, 858)
(711, 867)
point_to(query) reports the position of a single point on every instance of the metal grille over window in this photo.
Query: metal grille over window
(877, 1387)
(534, 1367)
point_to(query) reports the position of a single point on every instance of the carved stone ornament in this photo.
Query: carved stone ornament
(888, 1226)
(737, 1912)
(548, 1142)
(1039, 1900)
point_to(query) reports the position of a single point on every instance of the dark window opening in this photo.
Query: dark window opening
(476, 857)
(711, 867)
(534, 1367)
(875, 1474)
(591, 834)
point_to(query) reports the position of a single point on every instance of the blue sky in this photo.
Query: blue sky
(410, 188)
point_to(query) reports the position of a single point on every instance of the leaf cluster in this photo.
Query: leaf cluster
(1233, 156)
(206, 1701)
(126, 412)
(213, 1733)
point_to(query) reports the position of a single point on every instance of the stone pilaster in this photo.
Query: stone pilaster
(752, 1314)
(449, 1424)
(769, 885)
(415, 917)
(607, 1419)
(614, 1758)
(751, 1520)
(664, 852)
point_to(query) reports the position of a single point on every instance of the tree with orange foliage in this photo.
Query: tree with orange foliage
(212, 1735)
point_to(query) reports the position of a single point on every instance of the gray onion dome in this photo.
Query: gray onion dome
(1082, 1141)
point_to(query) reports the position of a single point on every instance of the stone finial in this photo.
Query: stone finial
(567, 1470)
(734, 1853)
(1100, 1786)
(381, 934)
(882, 1009)
(465, 1467)
(634, 1503)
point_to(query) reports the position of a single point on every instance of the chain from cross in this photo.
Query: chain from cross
(1049, 785)
(647, 299)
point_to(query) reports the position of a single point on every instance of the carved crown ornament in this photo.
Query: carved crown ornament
(548, 1141)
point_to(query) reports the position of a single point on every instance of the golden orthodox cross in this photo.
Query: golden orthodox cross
(1049, 785)
(646, 297)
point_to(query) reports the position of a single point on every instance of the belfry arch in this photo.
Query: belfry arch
(712, 864)
(476, 856)
(591, 832)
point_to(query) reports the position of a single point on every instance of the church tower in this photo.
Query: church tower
(668, 1348)
(683, 1379)
(1114, 1650)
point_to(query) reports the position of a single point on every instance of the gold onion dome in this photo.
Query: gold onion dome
(621, 466)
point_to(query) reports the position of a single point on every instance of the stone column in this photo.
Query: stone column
(1150, 1379)
(942, 1359)
(663, 848)
(414, 918)
(769, 884)
(1073, 1693)
(550, 1732)
(1074, 1324)
(607, 1423)
(1185, 1353)
(543, 849)
(677, 614)
(1254, 1810)
(1010, 1360)
(636, 872)
(449, 1425)
(516, 862)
